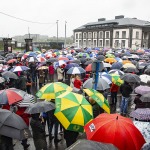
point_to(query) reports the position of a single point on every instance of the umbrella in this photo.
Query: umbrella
(101, 86)
(43, 68)
(20, 55)
(88, 68)
(2, 80)
(110, 60)
(12, 125)
(50, 91)
(73, 111)
(116, 71)
(141, 114)
(12, 61)
(52, 60)
(32, 59)
(76, 70)
(19, 68)
(99, 98)
(126, 62)
(116, 65)
(100, 57)
(144, 78)
(116, 79)
(68, 66)
(9, 74)
(131, 78)
(115, 129)
(118, 59)
(9, 96)
(110, 56)
(128, 65)
(83, 144)
(142, 90)
(147, 71)
(106, 77)
(40, 107)
(86, 55)
(41, 59)
(131, 69)
(107, 65)
(77, 61)
(88, 62)
(63, 58)
(145, 97)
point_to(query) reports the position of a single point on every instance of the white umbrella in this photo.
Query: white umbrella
(145, 78)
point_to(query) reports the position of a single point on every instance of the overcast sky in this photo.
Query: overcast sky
(75, 12)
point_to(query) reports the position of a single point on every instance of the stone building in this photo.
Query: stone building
(118, 33)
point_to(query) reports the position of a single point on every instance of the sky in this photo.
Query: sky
(75, 12)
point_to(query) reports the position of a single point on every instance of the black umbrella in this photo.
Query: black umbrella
(77, 61)
(91, 145)
(40, 107)
(147, 71)
(12, 125)
(131, 69)
(9, 74)
(1, 57)
(20, 55)
(100, 57)
(131, 78)
(52, 60)
(88, 62)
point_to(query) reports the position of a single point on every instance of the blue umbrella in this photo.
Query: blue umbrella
(70, 57)
(32, 54)
(68, 66)
(118, 59)
(117, 65)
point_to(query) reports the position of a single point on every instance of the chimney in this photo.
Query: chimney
(101, 19)
(119, 17)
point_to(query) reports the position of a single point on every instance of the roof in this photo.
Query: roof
(120, 22)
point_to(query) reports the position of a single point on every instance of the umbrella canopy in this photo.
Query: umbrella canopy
(99, 98)
(89, 68)
(41, 59)
(126, 62)
(52, 60)
(116, 79)
(12, 125)
(110, 60)
(50, 91)
(131, 69)
(2, 80)
(32, 59)
(107, 65)
(40, 107)
(76, 70)
(115, 129)
(9, 96)
(88, 62)
(19, 68)
(68, 66)
(73, 111)
(142, 90)
(9, 74)
(127, 65)
(141, 114)
(144, 78)
(109, 56)
(106, 77)
(116, 71)
(43, 68)
(145, 97)
(91, 145)
(116, 65)
(12, 61)
(131, 78)
(101, 86)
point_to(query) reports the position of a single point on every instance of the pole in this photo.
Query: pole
(29, 32)
(65, 33)
(57, 31)
(96, 74)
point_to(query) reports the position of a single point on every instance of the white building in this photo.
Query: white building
(118, 33)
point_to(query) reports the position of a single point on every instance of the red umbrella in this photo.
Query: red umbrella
(115, 129)
(9, 96)
(88, 68)
(11, 61)
(63, 58)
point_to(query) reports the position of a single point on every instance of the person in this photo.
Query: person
(77, 82)
(125, 90)
(41, 78)
(22, 82)
(28, 84)
(87, 76)
(114, 90)
(72, 80)
(32, 67)
(60, 72)
(51, 72)
(95, 107)
(25, 117)
(38, 130)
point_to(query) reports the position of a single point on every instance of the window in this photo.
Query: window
(137, 35)
(107, 35)
(76, 41)
(116, 43)
(89, 35)
(123, 42)
(123, 34)
(95, 35)
(100, 43)
(95, 43)
(100, 34)
(84, 43)
(84, 35)
(117, 35)
(107, 42)
(80, 35)
(89, 43)
(77, 36)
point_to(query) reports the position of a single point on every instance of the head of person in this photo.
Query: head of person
(36, 116)
(77, 77)
(91, 100)
(72, 76)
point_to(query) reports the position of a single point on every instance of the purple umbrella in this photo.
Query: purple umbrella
(141, 114)
(142, 90)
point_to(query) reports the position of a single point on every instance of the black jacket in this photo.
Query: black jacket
(125, 90)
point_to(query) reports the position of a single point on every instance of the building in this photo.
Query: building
(118, 33)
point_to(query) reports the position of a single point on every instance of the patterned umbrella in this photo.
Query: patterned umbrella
(73, 111)
(68, 66)
(106, 77)
(116, 71)
(50, 91)
(141, 114)
(99, 98)
(19, 68)
(116, 79)
(76, 70)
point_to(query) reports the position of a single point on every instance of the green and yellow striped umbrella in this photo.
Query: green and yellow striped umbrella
(116, 79)
(73, 111)
(51, 90)
(99, 98)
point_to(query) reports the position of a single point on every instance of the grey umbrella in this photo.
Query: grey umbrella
(145, 97)
(40, 107)
(91, 145)
(9, 74)
(131, 78)
(102, 84)
(12, 125)
(131, 69)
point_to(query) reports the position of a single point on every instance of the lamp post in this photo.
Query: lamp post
(65, 33)
(57, 31)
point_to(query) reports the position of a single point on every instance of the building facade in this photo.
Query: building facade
(118, 33)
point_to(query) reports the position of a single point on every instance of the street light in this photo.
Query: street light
(57, 31)
(65, 33)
